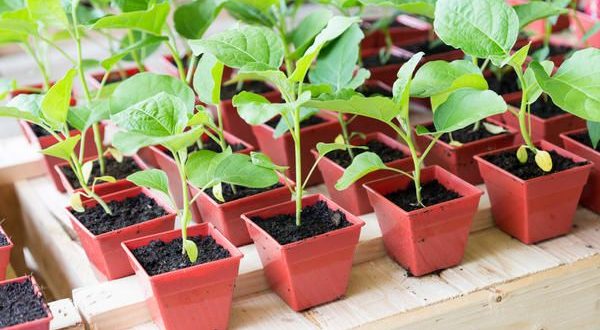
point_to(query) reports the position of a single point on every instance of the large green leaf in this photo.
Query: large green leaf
(241, 46)
(362, 164)
(84, 116)
(146, 85)
(49, 12)
(438, 77)
(201, 166)
(146, 42)
(255, 109)
(192, 19)
(575, 87)
(11, 112)
(10, 5)
(55, 105)
(376, 107)
(208, 78)
(152, 179)
(535, 10)
(465, 107)
(130, 142)
(63, 149)
(417, 7)
(150, 21)
(304, 34)
(481, 28)
(132, 5)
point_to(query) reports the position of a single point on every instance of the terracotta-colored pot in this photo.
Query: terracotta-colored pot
(452, 55)
(310, 272)
(39, 324)
(197, 297)
(539, 27)
(167, 164)
(459, 160)
(50, 162)
(102, 188)
(104, 251)
(537, 209)
(226, 217)
(543, 129)
(95, 79)
(431, 238)
(281, 150)
(387, 74)
(5, 255)
(587, 23)
(590, 197)
(354, 199)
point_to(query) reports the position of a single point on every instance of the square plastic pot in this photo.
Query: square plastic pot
(459, 160)
(590, 198)
(412, 27)
(281, 150)
(39, 324)
(354, 199)
(536, 209)
(310, 272)
(429, 239)
(197, 297)
(226, 217)
(452, 55)
(5, 255)
(104, 251)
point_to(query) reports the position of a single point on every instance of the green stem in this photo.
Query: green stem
(298, 158)
(186, 214)
(178, 62)
(193, 61)
(134, 54)
(46, 79)
(222, 141)
(523, 111)
(345, 133)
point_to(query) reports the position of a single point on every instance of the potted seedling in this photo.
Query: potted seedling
(424, 215)
(534, 188)
(23, 306)
(5, 247)
(301, 231)
(584, 143)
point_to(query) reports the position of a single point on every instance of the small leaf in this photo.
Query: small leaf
(465, 107)
(493, 129)
(151, 179)
(115, 154)
(594, 132)
(86, 170)
(262, 160)
(191, 249)
(517, 58)
(202, 117)
(151, 21)
(543, 160)
(363, 164)
(105, 178)
(522, 154)
(217, 191)
(255, 109)
(55, 105)
(76, 203)
(63, 149)
(339, 139)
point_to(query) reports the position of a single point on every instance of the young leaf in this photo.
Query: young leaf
(401, 87)
(239, 170)
(76, 203)
(517, 58)
(202, 117)
(145, 42)
(192, 19)
(191, 250)
(437, 77)
(63, 149)
(262, 160)
(49, 12)
(376, 107)
(307, 30)
(536, 10)
(12, 112)
(594, 132)
(208, 78)
(217, 191)
(152, 179)
(115, 154)
(543, 160)
(363, 164)
(262, 72)
(150, 21)
(522, 154)
(533, 91)
(481, 28)
(55, 105)
(86, 170)
(465, 107)
(493, 129)
(181, 141)
(255, 109)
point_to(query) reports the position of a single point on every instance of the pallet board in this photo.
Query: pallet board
(66, 316)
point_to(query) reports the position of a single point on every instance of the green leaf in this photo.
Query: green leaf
(535, 10)
(417, 7)
(63, 149)
(262, 72)
(363, 164)
(241, 46)
(359, 78)
(202, 117)
(307, 30)
(517, 58)
(152, 179)
(194, 18)
(465, 107)
(208, 79)
(594, 132)
(49, 12)
(10, 5)
(439, 77)
(76, 203)
(533, 90)
(336, 26)
(84, 116)
(217, 191)
(337, 61)
(86, 170)
(262, 160)
(376, 107)
(181, 141)
(282, 126)
(201, 166)
(151, 21)
(146, 85)
(401, 87)
(481, 28)
(191, 250)
(574, 87)
(522, 154)
(55, 105)
(146, 42)
(130, 142)
(31, 103)
(325, 148)
(239, 170)
(250, 13)
(12, 112)
(255, 109)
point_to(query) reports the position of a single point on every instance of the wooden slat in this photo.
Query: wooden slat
(66, 316)
(19, 160)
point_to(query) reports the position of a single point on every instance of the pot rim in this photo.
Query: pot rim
(328, 120)
(567, 136)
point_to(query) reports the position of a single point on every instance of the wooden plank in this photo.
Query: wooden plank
(66, 316)
(20, 160)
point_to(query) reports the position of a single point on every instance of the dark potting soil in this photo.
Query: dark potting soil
(387, 154)
(125, 213)
(160, 257)
(258, 87)
(212, 145)
(556, 50)
(374, 91)
(432, 193)
(545, 108)
(508, 161)
(507, 85)
(375, 61)
(467, 134)
(240, 192)
(3, 240)
(113, 168)
(429, 48)
(583, 138)
(313, 120)
(19, 303)
(317, 219)
(40, 132)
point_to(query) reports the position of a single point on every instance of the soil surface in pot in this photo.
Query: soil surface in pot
(160, 257)
(376, 61)
(387, 154)
(432, 193)
(313, 120)
(508, 83)
(40, 132)
(19, 303)
(113, 168)
(257, 87)
(317, 219)
(429, 48)
(374, 90)
(545, 108)
(240, 192)
(3, 240)
(508, 161)
(125, 213)
(212, 145)
(467, 134)
(582, 138)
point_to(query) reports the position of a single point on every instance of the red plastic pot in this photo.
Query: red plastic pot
(50, 162)
(104, 251)
(310, 272)
(590, 198)
(95, 79)
(537, 209)
(428, 239)
(5, 255)
(167, 164)
(39, 324)
(412, 27)
(539, 27)
(281, 150)
(197, 297)
(459, 160)
(387, 74)
(102, 188)
(366, 125)
(543, 129)
(354, 199)
(226, 217)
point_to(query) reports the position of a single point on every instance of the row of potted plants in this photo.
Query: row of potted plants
(315, 110)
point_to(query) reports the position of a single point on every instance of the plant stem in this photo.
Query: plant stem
(222, 141)
(193, 61)
(178, 62)
(134, 54)
(345, 133)
(46, 80)
(298, 158)
(186, 214)
(523, 111)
